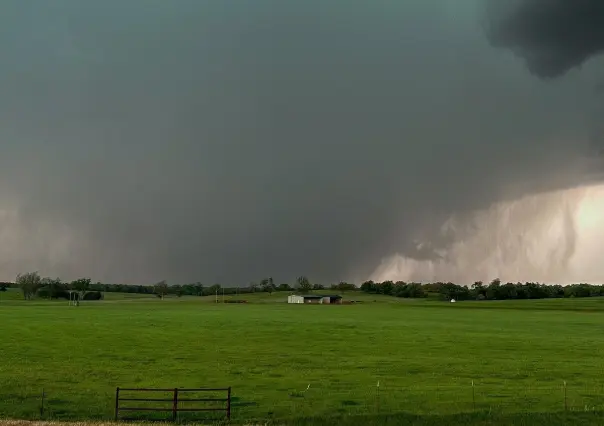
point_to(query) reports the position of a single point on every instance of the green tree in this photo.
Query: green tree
(178, 290)
(284, 287)
(54, 286)
(214, 289)
(493, 290)
(81, 285)
(161, 289)
(343, 286)
(368, 287)
(268, 285)
(304, 285)
(28, 283)
(479, 290)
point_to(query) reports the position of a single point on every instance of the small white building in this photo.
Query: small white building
(315, 299)
(294, 298)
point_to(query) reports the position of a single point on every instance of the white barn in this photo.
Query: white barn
(315, 299)
(295, 299)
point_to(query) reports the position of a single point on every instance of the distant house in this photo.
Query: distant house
(315, 299)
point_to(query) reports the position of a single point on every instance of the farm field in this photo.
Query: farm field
(302, 364)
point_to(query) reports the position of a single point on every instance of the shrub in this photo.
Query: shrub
(43, 293)
(93, 295)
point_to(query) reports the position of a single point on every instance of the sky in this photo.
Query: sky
(227, 141)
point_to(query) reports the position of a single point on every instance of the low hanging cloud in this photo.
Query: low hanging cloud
(552, 36)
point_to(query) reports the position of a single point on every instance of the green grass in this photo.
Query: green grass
(425, 355)
(11, 294)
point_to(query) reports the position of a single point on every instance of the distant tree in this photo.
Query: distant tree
(54, 287)
(368, 287)
(161, 289)
(28, 283)
(416, 290)
(81, 285)
(493, 290)
(304, 284)
(343, 286)
(479, 291)
(211, 290)
(450, 291)
(284, 287)
(267, 285)
(318, 287)
(198, 289)
(386, 287)
(178, 290)
(3, 288)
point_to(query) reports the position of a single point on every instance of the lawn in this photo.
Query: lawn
(301, 364)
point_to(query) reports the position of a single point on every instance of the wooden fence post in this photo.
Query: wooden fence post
(229, 403)
(42, 405)
(565, 398)
(117, 402)
(175, 406)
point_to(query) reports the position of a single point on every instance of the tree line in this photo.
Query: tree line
(495, 290)
(33, 285)
(266, 285)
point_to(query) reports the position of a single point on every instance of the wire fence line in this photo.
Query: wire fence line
(318, 399)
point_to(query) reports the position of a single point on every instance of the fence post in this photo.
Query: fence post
(175, 405)
(117, 402)
(42, 405)
(473, 396)
(565, 398)
(229, 404)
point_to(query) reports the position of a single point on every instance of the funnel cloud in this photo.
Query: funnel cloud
(229, 141)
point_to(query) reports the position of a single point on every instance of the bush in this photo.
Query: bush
(59, 294)
(93, 295)
(43, 293)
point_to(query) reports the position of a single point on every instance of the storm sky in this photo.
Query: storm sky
(552, 36)
(226, 141)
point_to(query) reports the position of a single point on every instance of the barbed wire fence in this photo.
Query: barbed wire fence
(332, 399)
(386, 398)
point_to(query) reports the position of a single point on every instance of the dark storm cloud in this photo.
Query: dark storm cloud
(229, 140)
(553, 36)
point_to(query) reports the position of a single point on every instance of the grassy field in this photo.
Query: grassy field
(301, 364)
